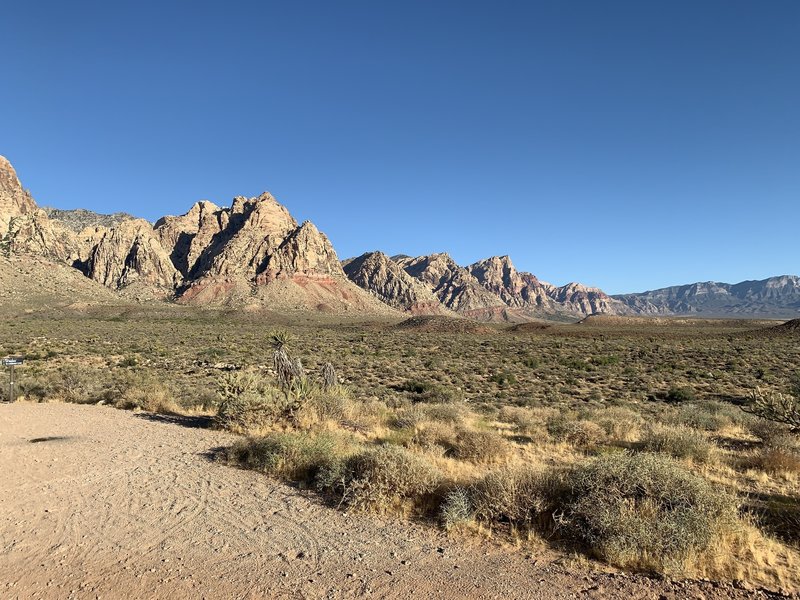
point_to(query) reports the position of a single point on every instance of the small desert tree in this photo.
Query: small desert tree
(777, 407)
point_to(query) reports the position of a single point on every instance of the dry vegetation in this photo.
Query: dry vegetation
(626, 443)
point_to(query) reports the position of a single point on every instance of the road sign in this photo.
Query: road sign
(11, 362)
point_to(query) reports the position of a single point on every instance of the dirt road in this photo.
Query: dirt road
(97, 502)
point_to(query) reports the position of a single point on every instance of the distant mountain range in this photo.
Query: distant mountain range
(774, 297)
(255, 255)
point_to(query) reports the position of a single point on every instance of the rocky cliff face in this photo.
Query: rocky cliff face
(208, 255)
(453, 285)
(517, 290)
(387, 281)
(14, 200)
(777, 297)
(130, 254)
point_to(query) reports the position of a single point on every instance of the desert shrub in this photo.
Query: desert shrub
(434, 437)
(248, 402)
(289, 456)
(523, 419)
(521, 496)
(69, 383)
(456, 509)
(444, 413)
(479, 446)
(678, 442)
(328, 403)
(381, 479)
(643, 510)
(503, 378)
(618, 423)
(677, 394)
(700, 416)
(407, 418)
(138, 391)
(774, 435)
(576, 432)
(428, 391)
(37, 388)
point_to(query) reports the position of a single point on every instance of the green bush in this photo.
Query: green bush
(248, 402)
(289, 456)
(680, 394)
(643, 510)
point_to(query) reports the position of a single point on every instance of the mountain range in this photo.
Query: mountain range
(255, 255)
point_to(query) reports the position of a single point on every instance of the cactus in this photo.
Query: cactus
(777, 407)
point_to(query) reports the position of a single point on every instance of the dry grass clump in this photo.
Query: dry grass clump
(643, 511)
(524, 420)
(678, 442)
(620, 424)
(382, 479)
(479, 446)
(581, 433)
(140, 392)
(523, 496)
(776, 460)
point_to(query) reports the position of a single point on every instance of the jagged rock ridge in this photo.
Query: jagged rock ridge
(253, 253)
(385, 279)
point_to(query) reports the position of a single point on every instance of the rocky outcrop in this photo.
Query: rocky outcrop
(14, 200)
(387, 281)
(580, 299)
(453, 285)
(129, 254)
(187, 237)
(517, 290)
(306, 251)
(777, 297)
(78, 219)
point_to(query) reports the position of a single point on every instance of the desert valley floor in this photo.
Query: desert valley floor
(96, 501)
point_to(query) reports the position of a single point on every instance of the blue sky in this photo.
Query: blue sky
(628, 145)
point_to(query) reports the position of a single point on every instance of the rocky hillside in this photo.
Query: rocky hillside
(488, 290)
(777, 297)
(388, 281)
(255, 254)
(251, 254)
(79, 219)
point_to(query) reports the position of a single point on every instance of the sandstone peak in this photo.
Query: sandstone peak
(14, 200)
(388, 281)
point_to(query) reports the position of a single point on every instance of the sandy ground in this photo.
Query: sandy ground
(101, 503)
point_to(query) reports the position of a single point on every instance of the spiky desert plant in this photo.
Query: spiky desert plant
(284, 367)
(774, 406)
(328, 376)
(280, 338)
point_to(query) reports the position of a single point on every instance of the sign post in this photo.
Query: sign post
(11, 362)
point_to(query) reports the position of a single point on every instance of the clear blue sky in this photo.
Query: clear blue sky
(628, 145)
